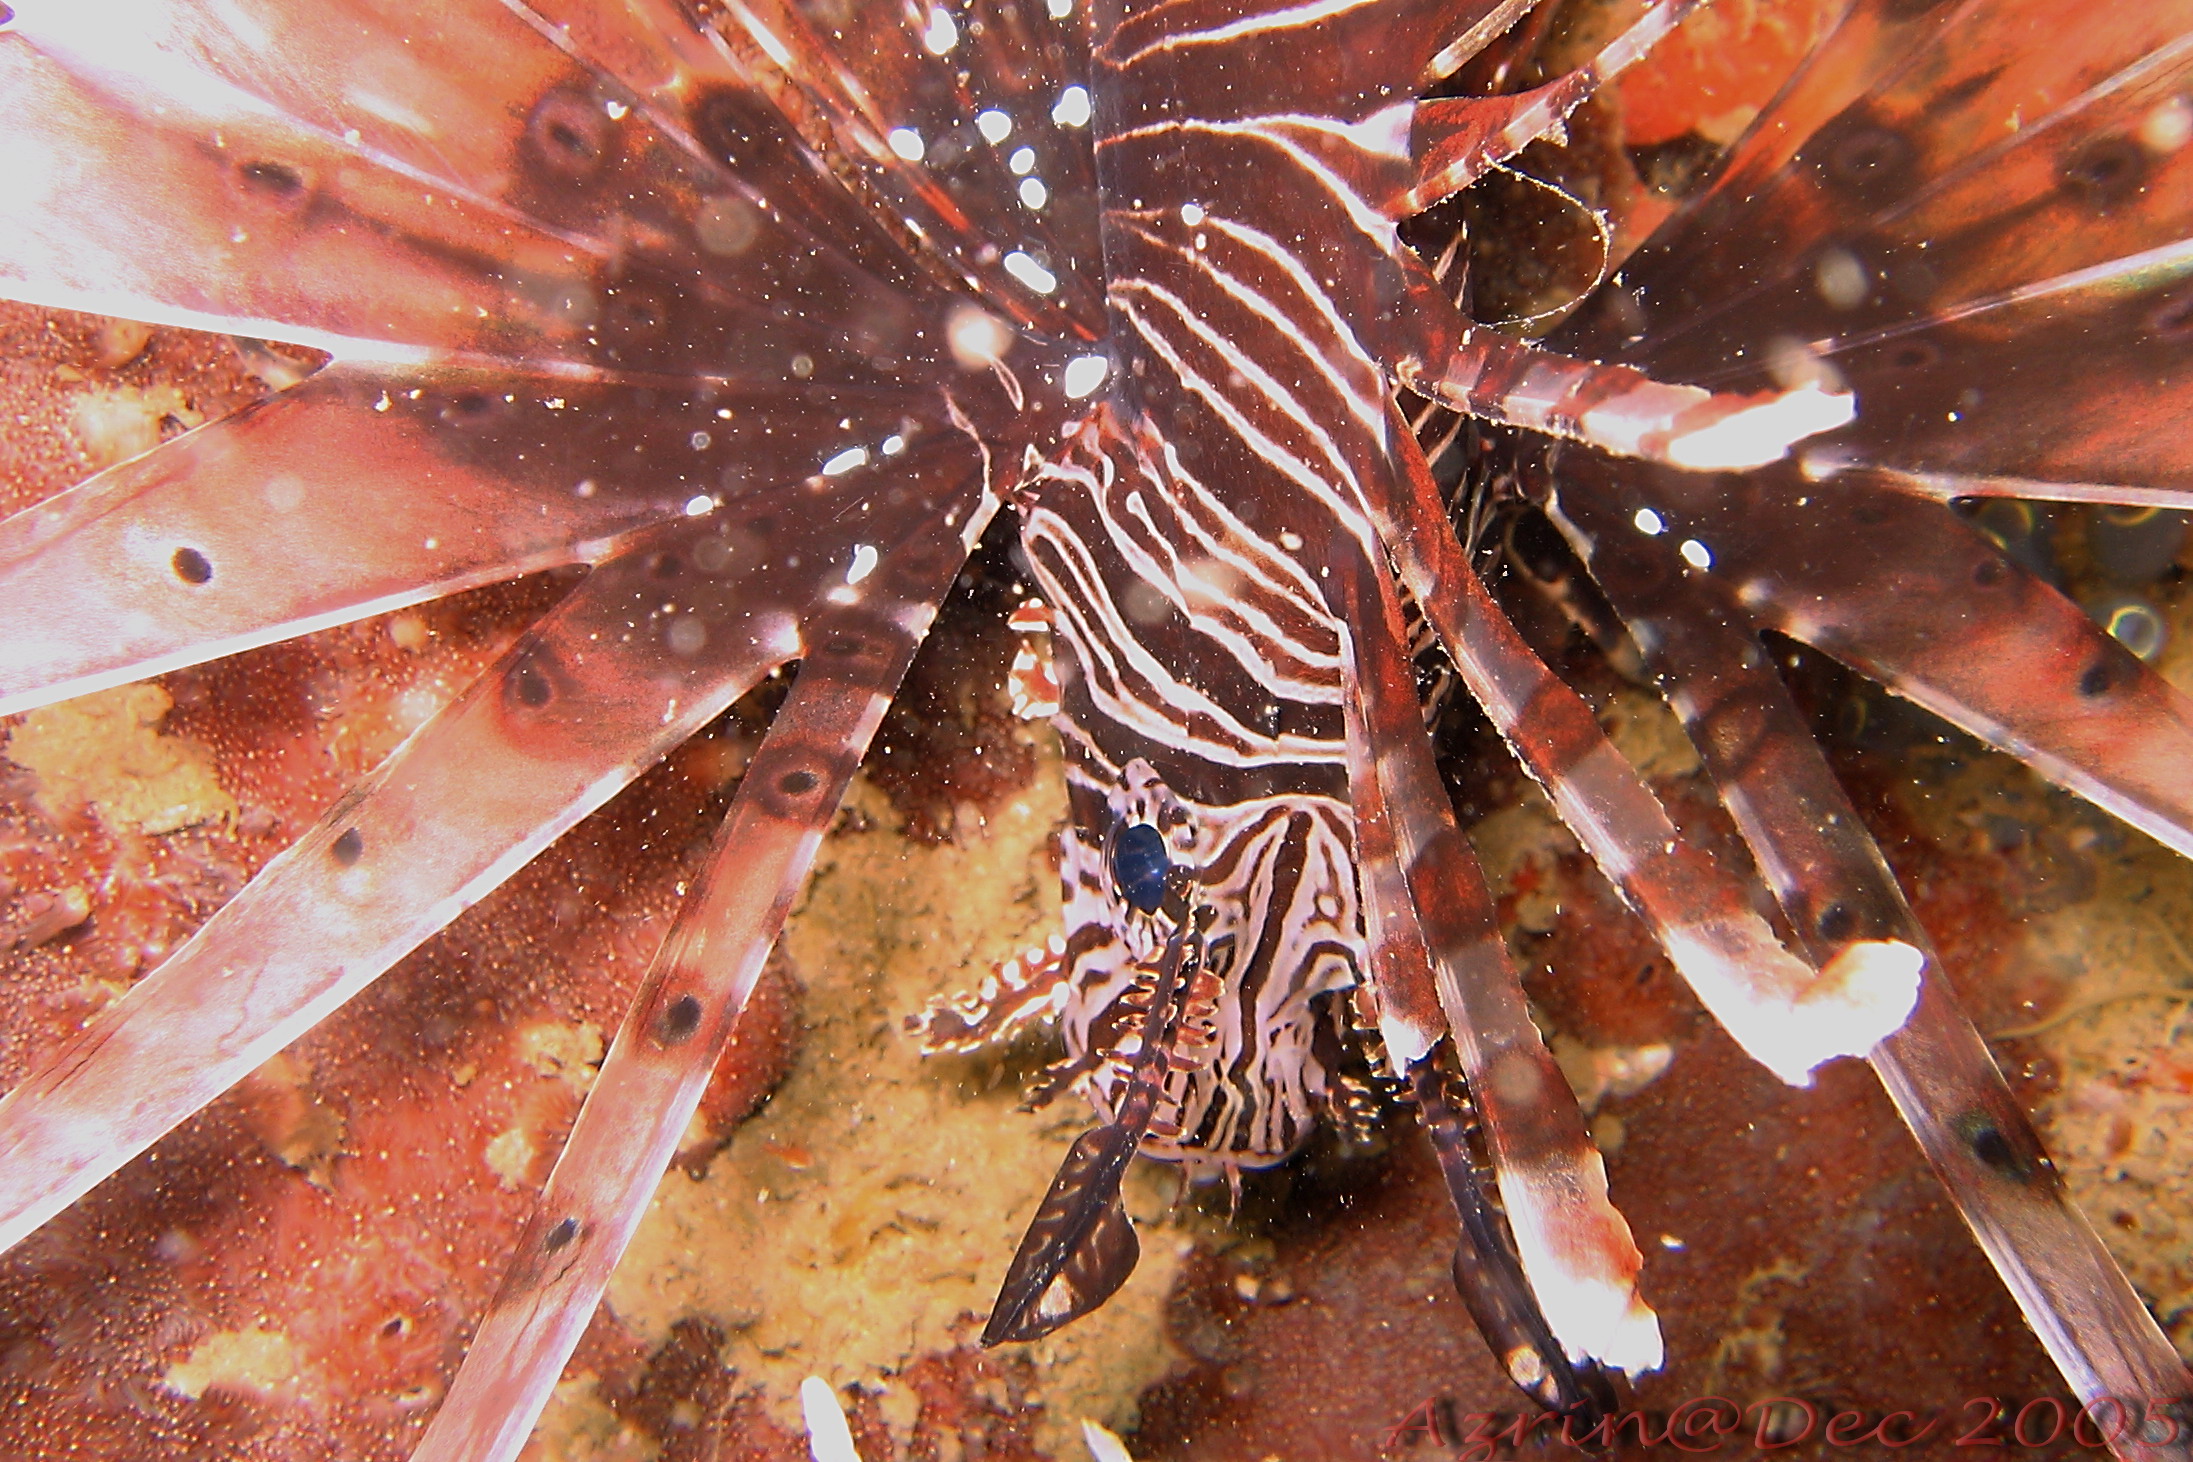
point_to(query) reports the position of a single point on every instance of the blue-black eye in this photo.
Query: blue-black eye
(1139, 866)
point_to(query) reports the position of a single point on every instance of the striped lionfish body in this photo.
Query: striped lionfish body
(763, 311)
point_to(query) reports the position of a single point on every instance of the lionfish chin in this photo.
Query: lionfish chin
(766, 311)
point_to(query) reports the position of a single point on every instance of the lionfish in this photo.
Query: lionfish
(764, 311)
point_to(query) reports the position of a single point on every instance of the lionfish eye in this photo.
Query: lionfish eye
(1139, 866)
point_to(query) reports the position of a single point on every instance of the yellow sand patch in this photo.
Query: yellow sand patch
(114, 425)
(865, 1216)
(256, 1360)
(510, 1157)
(569, 1053)
(107, 750)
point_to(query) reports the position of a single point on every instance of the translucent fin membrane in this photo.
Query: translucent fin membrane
(1838, 892)
(649, 1087)
(361, 490)
(1440, 966)
(1784, 1014)
(1866, 573)
(1986, 239)
(1455, 141)
(651, 646)
(157, 186)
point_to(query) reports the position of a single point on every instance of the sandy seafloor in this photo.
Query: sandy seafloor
(864, 1216)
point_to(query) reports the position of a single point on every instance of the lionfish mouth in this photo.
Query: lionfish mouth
(526, 416)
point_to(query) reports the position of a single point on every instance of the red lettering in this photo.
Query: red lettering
(1699, 1424)
(1834, 1433)
(2159, 1410)
(1775, 1417)
(2119, 1422)
(1424, 1422)
(1515, 1431)
(1481, 1439)
(1977, 1434)
(1880, 1433)
(1607, 1430)
(2055, 1425)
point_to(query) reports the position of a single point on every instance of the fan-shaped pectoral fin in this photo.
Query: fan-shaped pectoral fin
(1552, 1283)
(594, 695)
(1837, 890)
(1865, 572)
(1786, 1015)
(683, 1017)
(359, 491)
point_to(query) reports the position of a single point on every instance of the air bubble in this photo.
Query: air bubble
(1840, 280)
(686, 635)
(907, 143)
(2135, 624)
(977, 338)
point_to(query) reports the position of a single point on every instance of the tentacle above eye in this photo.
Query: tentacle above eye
(651, 646)
(684, 1013)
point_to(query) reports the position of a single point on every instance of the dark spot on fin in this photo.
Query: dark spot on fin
(348, 848)
(191, 566)
(273, 180)
(679, 1019)
(529, 685)
(1991, 1147)
(1079, 1249)
(571, 135)
(561, 1235)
